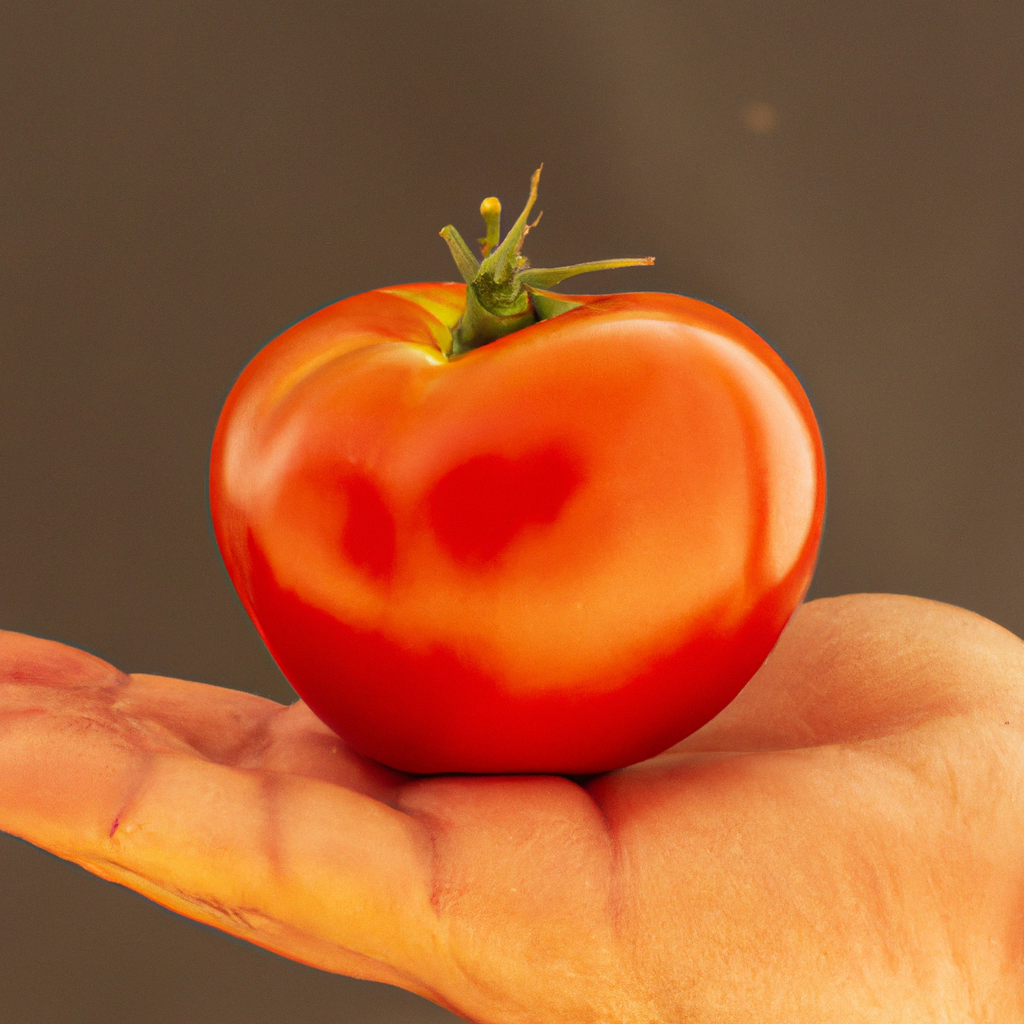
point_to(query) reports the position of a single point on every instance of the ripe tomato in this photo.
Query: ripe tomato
(562, 551)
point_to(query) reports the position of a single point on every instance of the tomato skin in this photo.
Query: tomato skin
(561, 552)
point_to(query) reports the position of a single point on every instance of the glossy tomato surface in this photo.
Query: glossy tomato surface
(560, 552)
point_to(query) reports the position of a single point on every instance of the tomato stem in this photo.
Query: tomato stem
(503, 294)
(490, 210)
(468, 264)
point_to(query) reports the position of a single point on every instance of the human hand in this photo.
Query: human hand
(842, 843)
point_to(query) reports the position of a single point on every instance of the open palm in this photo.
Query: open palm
(842, 843)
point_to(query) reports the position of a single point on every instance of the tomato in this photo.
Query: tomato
(561, 551)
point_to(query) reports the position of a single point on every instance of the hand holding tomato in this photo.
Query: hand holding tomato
(841, 844)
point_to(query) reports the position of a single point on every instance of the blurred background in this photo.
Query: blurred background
(181, 181)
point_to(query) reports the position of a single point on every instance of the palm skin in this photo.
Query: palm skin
(842, 843)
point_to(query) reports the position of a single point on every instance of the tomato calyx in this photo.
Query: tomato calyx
(503, 292)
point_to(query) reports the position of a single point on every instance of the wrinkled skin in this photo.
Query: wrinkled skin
(842, 843)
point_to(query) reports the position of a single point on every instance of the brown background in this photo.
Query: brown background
(180, 181)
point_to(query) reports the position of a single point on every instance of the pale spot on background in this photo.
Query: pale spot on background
(760, 118)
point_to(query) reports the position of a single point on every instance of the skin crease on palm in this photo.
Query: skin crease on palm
(842, 843)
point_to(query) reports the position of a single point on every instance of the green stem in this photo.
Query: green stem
(531, 279)
(490, 210)
(468, 264)
(503, 294)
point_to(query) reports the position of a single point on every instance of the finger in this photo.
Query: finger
(870, 665)
(221, 725)
(251, 732)
(295, 864)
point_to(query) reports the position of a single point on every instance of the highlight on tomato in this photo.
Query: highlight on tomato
(484, 527)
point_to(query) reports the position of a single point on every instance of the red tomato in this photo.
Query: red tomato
(560, 552)
(487, 528)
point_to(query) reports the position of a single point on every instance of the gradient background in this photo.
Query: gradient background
(181, 181)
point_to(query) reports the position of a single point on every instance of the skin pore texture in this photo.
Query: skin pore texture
(842, 843)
